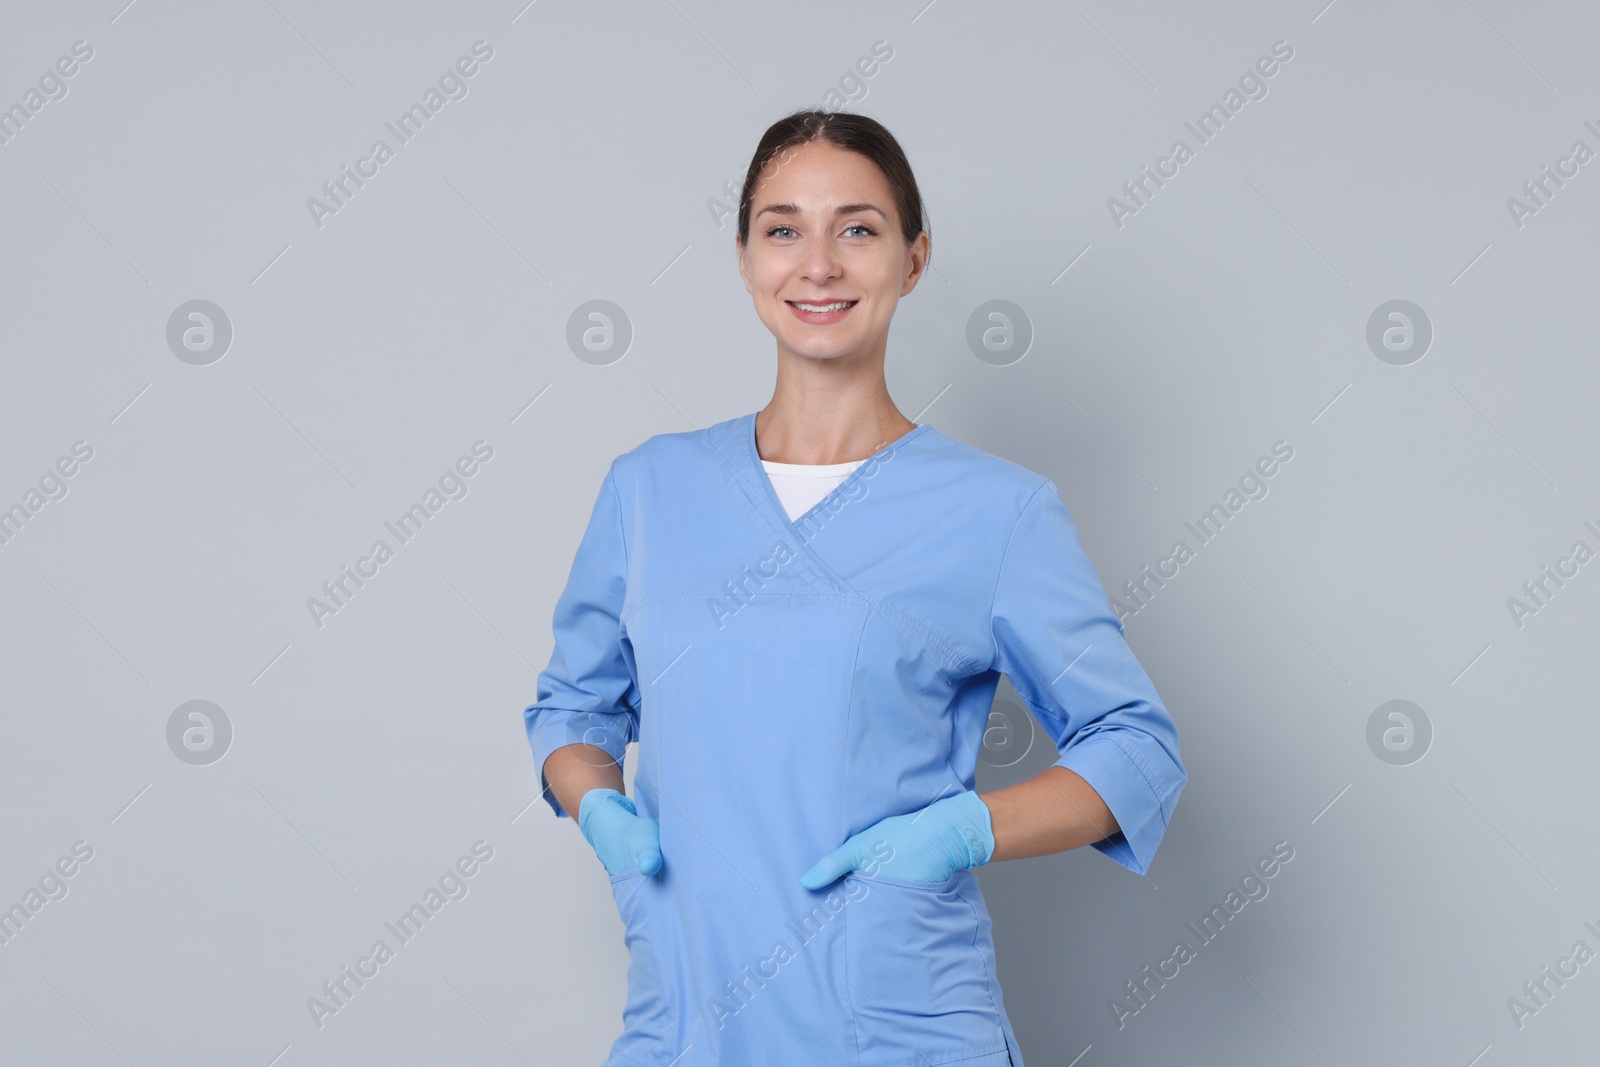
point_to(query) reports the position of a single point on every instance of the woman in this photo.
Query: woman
(801, 615)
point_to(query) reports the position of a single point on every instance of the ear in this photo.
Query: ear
(744, 272)
(919, 251)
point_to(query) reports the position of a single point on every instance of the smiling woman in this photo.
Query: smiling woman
(823, 740)
(839, 237)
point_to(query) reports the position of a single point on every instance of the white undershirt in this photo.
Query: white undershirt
(800, 485)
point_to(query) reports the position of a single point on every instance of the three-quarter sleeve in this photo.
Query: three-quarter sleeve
(589, 693)
(1058, 640)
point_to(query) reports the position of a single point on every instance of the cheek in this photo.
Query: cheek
(886, 282)
(768, 274)
(890, 266)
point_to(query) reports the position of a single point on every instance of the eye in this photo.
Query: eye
(862, 226)
(778, 227)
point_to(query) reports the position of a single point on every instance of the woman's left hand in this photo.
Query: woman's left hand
(930, 845)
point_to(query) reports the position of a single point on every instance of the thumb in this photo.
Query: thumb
(831, 867)
(648, 846)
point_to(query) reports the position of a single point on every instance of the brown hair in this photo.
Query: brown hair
(852, 132)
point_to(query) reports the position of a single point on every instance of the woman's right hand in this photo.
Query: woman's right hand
(622, 838)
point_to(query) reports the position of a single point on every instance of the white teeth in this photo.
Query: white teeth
(837, 306)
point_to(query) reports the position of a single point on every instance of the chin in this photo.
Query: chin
(831, 352)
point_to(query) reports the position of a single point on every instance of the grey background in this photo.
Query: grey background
(431, 312)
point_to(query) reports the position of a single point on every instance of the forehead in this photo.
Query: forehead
(815, 175)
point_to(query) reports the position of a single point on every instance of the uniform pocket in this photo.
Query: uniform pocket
(919, 977)
(647, 1017)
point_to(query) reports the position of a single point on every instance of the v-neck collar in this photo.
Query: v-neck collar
(798, 524)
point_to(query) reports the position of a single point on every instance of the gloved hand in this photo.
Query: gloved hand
(622, 838)
(930, 845)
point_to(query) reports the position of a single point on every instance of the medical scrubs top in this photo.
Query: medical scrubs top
(791, 683)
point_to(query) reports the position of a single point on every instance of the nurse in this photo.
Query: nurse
(801, 616)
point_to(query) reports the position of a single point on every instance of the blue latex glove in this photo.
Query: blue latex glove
(622, 838)
(930, 845)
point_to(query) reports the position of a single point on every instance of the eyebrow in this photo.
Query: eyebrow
(842, 209)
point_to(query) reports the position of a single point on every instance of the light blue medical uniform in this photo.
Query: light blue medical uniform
(791, 683)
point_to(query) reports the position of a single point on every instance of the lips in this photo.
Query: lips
(821, 306)
(821, 312)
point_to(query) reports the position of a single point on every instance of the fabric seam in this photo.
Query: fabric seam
(849, 712)
(1161, 801)
(660, 598)
(622, 536)
(949, 654)
(893, 446)
(988, 979)
(994, 645)
(1109, 735)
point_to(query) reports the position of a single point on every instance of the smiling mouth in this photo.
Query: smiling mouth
(836, 305)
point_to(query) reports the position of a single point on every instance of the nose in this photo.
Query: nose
(821, 262)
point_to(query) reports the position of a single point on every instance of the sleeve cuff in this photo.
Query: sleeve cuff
(1141, 801)
(551, 730)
